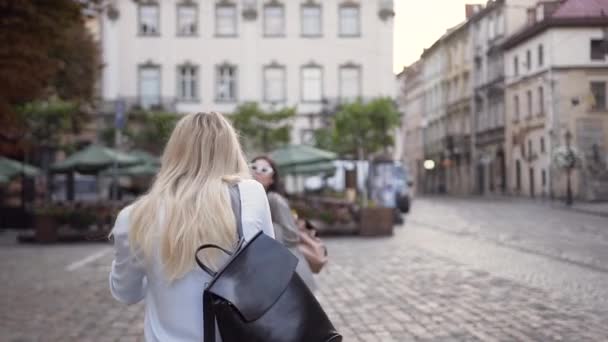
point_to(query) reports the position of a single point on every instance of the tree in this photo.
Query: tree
(46, 52)
(262, 131)
(155, 131)
(360, 129)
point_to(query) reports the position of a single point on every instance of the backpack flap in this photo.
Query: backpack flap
(255, 277)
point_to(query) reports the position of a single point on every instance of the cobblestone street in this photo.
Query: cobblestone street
(458, 270)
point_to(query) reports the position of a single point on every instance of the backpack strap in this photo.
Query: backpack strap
(208, 318)
(208, 314)
(235, 199)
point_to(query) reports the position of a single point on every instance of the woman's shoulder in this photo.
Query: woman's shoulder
(121, 226)
(276, 199)
(251, 187)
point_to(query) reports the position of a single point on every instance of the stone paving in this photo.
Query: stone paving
(380, 289)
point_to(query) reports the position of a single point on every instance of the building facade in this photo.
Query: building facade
(434, 117)
(490, 28)
(411, 102)
(189, 56)
(458, 87)
(557, 73)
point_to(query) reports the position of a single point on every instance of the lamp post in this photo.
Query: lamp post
(570, 164)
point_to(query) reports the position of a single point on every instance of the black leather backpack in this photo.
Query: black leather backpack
(257, 295)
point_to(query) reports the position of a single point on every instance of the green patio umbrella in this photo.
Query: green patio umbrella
(144, 157)
(297, 155)
(10, 168)
(310, 169)
(94, 158)
(3, 179)
(146, 169)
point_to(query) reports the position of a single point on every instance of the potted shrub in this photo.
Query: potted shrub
(46, 222)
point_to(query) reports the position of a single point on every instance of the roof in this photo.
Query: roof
(582, 9)
(571, 13)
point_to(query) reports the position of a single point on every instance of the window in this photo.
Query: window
(312, 84)
(225, 20)
(516, 109)
(528, 60)
(530, 148)
(542, 145)
(186, 20)
(274, 21)
(541, 55)
(311, 20)
(350, 83)
(517, 175)
(149, 20)
(541, 100)
(529, 98)
(187, 82)
(149, 86)
(274, 84)
(350, 21)
(225, 87)
(598, 50)
(543, 175)
(598, 91)
(490, 27)
(516, 65)
(499, 24)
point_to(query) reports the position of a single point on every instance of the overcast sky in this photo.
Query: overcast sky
(419, 23)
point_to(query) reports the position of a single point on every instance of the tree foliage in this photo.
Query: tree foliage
(155, 132)
(46, 52)
(262, 131)
(368, 126)
(46, 121)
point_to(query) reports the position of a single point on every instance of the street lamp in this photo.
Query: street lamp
(570, 164)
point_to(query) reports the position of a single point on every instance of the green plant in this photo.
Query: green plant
(262, 131)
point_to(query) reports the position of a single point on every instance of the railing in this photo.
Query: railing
(166, 104)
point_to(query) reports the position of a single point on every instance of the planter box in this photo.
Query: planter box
(45, 229)
(376, 221)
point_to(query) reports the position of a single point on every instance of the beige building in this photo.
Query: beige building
(457, 85)
(491, 27)
(557, 73)
(410, 99)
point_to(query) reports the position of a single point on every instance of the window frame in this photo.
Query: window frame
(195, 79)
(317, 6)
(595, 107)
(345, 6)
(359, 83)
(516, 111)
(140, 33)
(235, 79)
(321, 79)
(276, 66)
(194, 6)
(541, 100)
(600, 45)
(530, 103)
(274, 5)
(235, 25)
(140, 68)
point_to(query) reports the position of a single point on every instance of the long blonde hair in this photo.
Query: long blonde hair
(189, 204)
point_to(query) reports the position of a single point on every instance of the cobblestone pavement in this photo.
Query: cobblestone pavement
(433, 281)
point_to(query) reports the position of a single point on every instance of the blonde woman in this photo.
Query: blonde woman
(188, 205)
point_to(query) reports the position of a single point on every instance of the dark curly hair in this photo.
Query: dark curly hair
(277, 185)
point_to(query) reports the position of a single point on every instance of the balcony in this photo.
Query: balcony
(129, 104)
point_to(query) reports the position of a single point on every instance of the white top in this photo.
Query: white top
(174, 311)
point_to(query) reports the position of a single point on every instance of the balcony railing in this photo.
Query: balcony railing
(129, 104)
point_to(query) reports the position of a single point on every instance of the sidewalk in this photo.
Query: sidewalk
(599, 208)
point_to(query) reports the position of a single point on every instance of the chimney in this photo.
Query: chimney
(471, 9)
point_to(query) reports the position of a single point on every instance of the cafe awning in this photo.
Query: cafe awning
(94, 158)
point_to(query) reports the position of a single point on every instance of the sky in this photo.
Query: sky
(419, 23)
